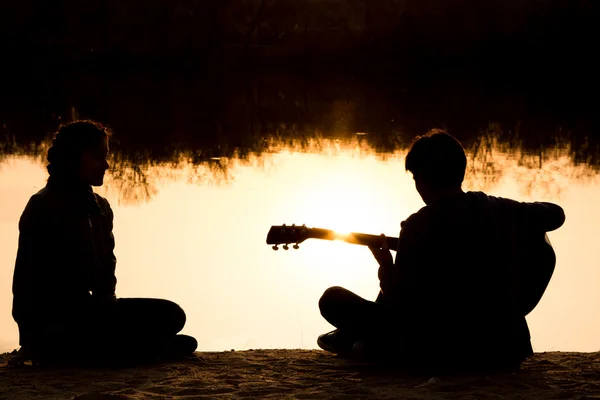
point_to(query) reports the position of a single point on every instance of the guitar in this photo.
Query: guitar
(536, 255)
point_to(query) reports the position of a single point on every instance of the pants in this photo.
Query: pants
(131, 329)
(387, 338)
(349, 312)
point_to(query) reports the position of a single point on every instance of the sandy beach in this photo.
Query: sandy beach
(302, 374)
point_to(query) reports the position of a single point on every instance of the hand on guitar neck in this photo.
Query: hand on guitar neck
(383, 256)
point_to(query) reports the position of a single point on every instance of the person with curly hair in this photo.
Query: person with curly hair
(64, 282)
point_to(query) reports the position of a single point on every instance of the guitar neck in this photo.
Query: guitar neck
(353, 238)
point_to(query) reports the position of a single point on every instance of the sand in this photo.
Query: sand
(302, 374)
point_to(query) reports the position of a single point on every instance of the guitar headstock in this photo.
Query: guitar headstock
(286, 234)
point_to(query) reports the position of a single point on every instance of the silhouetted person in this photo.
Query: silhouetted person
(453, 298)
(64, 280)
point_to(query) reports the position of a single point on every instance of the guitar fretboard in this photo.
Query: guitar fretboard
(355, 238)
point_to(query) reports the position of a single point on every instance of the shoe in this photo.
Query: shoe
(336, 342)
(181, 345)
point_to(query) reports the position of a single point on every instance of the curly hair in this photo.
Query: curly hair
(69, 142)
(438, 159)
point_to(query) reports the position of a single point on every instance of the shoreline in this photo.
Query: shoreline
(309, 374)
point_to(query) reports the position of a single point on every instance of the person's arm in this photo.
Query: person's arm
(384, 258)
(32, 279)
(105, 287)
(540, 216)
(394, 277)
(24, 273)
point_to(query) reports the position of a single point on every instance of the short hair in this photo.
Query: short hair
(69, 142)
(438, 159)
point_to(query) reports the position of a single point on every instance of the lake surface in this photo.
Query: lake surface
(197, 237)
(202, 168)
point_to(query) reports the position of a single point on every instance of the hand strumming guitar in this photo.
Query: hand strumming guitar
(384, 258)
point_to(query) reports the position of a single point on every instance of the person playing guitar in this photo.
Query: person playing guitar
(463, 278)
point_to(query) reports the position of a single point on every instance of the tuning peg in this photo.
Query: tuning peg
(296, 247)
(286, 247)
(275, 248)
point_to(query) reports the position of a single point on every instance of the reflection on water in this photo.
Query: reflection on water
(169, 116)
(137, 182)
(201, 243)
(175, 120)
(547, 170)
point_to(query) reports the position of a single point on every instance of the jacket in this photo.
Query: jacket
(454, 284)
(65, 261)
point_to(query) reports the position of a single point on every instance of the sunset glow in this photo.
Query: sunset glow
(203, 244)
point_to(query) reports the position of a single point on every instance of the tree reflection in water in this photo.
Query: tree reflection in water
(172, 127)
(493, 154)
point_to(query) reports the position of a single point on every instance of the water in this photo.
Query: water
(193, 207)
